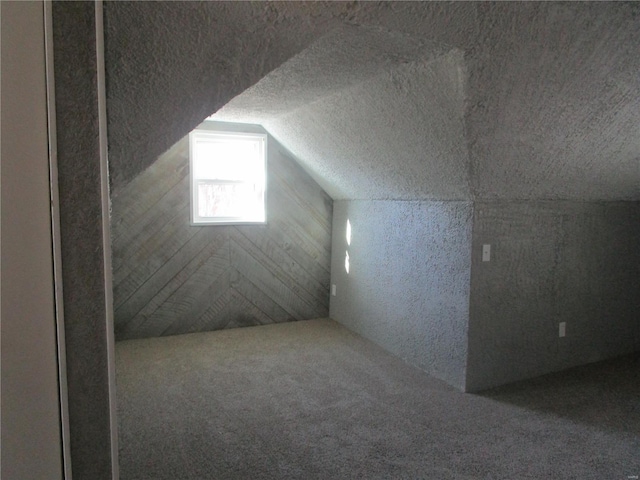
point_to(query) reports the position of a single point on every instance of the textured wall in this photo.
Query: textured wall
(408, 284)
(171, 277)
(552, 262)
(81, 238)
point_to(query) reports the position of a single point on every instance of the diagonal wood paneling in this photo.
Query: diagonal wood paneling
(171, 278)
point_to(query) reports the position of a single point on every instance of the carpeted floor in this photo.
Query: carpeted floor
(310, 400)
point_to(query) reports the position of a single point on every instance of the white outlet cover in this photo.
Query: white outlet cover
(333, 290)
(562, 329)
(486, 253)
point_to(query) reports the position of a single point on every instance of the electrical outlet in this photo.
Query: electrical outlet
(333, 290)
(562, 329)
(486, 253)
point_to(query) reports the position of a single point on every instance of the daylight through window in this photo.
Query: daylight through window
(227, 177)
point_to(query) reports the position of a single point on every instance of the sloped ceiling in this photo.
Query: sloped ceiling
(392, 100)
(369, 113)
(554, 104)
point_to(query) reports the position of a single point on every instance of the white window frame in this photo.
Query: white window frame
(259, 179)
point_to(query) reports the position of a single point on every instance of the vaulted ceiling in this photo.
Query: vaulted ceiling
(391, 100)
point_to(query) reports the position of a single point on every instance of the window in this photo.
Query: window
(227, 177)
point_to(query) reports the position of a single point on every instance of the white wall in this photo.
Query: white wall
(408, 283)
(31, 447)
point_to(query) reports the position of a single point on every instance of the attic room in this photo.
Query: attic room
(446, 281)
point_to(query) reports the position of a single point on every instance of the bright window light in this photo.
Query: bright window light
(227, 177)
(346, 261)
(348, 232)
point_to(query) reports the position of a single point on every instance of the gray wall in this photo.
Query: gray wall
(83, 255)
(408, 285)
(171, 277)
(573, 262)
(31, 446)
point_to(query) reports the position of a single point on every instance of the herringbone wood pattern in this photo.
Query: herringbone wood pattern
(171, 278)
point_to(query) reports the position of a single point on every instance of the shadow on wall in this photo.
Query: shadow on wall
(560, 262)
(603, 395)
(170, 277)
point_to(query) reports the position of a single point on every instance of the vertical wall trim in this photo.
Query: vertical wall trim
(106, 236)
(472, 272)
(56, 245)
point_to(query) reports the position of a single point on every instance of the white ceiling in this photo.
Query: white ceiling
(430, 100)
(369, 114)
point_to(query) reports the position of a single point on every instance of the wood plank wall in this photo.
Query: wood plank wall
(171, 278)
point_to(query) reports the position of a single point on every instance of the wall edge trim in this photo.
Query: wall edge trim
(106, 234)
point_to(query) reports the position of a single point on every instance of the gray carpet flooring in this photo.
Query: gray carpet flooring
(311, 400)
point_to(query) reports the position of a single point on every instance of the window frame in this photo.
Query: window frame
(195, 219)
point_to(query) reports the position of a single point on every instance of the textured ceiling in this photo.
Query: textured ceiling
(428, 100)
(554, 107)
(399, 135)
(345, 56)
(369, 113)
